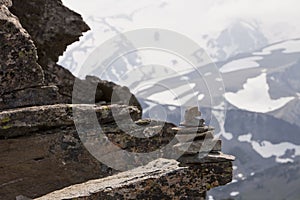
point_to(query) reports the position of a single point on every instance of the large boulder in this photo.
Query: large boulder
(18, 56)
(54, 28)
(41, 150)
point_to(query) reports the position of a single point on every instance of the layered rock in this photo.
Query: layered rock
(197, 143)
(54, 29)
(22, 78)
(28, 70)
(42, 151)
(160, 179)
(18, 67)
(44, 108)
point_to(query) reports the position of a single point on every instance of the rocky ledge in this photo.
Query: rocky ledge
(160, 179)
(42, 149)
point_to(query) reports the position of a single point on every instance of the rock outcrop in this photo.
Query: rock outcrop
(160, 179)
(41, 147)
(29, 73)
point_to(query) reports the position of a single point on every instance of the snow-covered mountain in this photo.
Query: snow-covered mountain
(262, 123)
(238, 37)
(261, 97)
(261, 79)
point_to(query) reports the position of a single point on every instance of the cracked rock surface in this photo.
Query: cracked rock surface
(42, 111)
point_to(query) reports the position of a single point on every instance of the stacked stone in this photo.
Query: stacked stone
(196, 140)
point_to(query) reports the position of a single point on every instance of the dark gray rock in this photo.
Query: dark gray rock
(198, 146)
(23, 121)
(34, 96)
(18, 56)
(41, 148)
(206, 158)
(7, 3)
(51, 25)
(192, 118)
(188, 137)
(160, 179)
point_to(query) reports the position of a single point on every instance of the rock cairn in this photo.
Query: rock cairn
(41, 149)
(197, 143)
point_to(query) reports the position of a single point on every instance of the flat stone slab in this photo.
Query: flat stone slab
(159, 179)
(187, 130)
(36, 96)
(19, 122)
(193, 123)
(154, 170)
(189, 137)
(198, 146)
(206, 158)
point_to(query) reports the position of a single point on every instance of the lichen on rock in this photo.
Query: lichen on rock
(18, 56)
(41, 148)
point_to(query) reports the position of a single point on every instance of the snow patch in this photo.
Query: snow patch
(219, 79)
(218, 112)
(207, 74)
(172, 108)
(210, 197)
(244, 63)
(245, 138)
(255, 96)
(233, 194)
(240, 175)
(290, 46)
(200, 97)
(184, 78)
(266, 149)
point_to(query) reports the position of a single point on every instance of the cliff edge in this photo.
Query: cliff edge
(40, 149)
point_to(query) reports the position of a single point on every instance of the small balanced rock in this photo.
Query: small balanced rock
(192, 118)
(193, 127)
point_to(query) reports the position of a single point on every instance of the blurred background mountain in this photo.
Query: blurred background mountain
(256, 47)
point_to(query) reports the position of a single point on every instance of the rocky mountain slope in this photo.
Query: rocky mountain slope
(45, 122)
(261, 93)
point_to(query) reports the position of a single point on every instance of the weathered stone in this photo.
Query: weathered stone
(192, 118)
(49, 160)
(195, 136)
(52, 26)
(7, 3)
(192, 130)
(41, 148)
(150, 138)
(35, 96)
(143, 122)
(206, 158)
(55, 27)
(93, 89)
(195, 147)
(18, 56)
(22, 121)
(160, 179)
(21, 197)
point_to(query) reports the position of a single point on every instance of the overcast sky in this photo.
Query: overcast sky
(195, 18)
